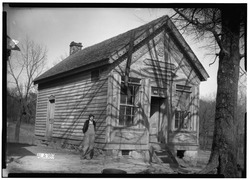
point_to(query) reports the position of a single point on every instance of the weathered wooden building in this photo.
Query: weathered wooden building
(161, 106)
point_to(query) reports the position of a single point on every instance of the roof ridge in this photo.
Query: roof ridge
(104, 50)
(115, 37)
(75, 60)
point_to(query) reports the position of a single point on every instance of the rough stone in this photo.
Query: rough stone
(136, 155)
(146, 156)
(191, 157)
(115, 152)
(108, 152)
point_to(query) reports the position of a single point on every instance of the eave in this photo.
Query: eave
(73, 71)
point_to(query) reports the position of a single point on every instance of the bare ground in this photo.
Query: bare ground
(26, 157)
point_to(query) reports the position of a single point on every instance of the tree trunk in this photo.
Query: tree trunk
(19, 120)
(17, 129)
(205, 141)
(224, 153)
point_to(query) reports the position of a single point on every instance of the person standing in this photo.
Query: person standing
(88, 129)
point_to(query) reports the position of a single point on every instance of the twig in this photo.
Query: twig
(216, 55)
(202, 26)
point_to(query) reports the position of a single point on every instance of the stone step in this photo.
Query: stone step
(157, 146)
(163, 154)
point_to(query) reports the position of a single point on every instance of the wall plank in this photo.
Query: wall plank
(74, 101)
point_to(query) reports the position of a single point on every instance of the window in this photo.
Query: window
(182, 113)
(95, 75)
(181, 119)
(127, 102)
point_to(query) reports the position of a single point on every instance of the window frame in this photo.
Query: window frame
(180, 121)
(135, 83)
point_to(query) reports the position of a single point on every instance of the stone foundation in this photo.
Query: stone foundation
(191, 157)
(188, 153)
(138, 154)
(144, 154)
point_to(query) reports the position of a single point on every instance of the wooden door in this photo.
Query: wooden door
(50, 119)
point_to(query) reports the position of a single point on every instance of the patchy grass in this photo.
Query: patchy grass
(27, 134)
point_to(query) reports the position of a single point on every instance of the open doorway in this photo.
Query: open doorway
(156, 118)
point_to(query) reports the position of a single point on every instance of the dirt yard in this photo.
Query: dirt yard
(26, 157)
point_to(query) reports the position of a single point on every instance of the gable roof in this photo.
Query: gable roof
(100, 53)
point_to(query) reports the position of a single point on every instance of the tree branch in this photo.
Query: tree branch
(15, 78)
(216, 55)
(203, 26)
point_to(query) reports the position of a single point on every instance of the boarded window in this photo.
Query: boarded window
(127, 103)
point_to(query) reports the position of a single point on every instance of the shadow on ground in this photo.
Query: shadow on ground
(18, 149)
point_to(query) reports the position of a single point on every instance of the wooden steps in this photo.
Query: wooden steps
(162, 155)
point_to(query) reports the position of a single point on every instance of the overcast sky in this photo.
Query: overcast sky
(57, 27)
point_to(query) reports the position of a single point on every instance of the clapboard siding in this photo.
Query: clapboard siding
(73, 105)
(41, 114)
(77, 92)
(40, 134)
(70, 117)
(161, 59)
(75, 98)
(78, 122)
(73, 102)
(81, 92)
(72, 80)
(86, 85)
(42, 104)
(77, 128)
(70, 132)
(78, 102)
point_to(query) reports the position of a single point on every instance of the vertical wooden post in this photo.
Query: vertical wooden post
(197, 93)
(113, 100)
(145, 98)
(116, 99)
(47, 119)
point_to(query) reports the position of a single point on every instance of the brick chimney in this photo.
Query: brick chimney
(74, 47)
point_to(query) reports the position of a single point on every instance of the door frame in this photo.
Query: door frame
(49, 120)
(160, 103)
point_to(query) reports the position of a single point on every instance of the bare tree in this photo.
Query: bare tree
(206, 114)
(226, 25)
(23, 68)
